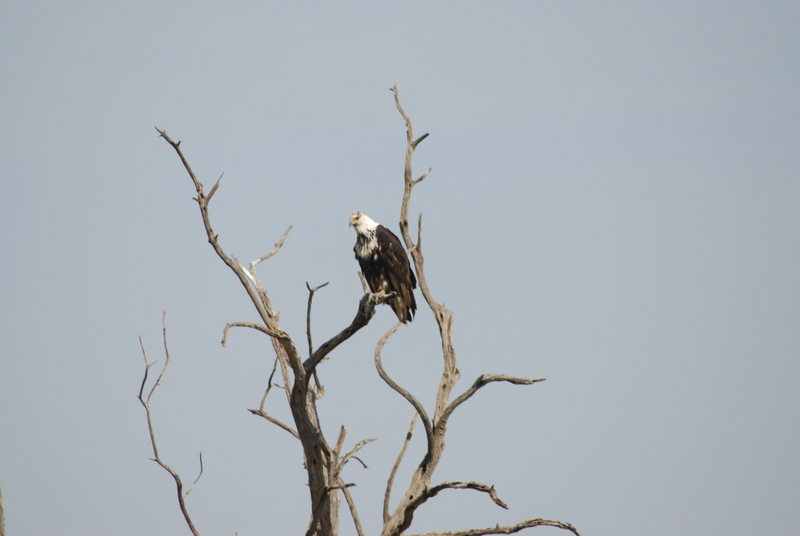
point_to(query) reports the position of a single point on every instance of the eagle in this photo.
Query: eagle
(385, 265)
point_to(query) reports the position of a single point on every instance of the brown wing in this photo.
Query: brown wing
(398, 269)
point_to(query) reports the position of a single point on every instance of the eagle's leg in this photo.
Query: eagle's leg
(383, 296)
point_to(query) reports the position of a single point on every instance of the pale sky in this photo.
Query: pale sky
(613, 206)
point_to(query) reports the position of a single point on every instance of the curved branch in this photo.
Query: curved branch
(511, 529)
(482, 380)
(426, 494)
(426, 422)
(276, 333)
(467, 485)
(352, 454)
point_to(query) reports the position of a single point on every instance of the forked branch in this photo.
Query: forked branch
(145, 401)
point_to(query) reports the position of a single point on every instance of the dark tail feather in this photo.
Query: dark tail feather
(404, 314)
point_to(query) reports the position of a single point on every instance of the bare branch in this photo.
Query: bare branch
(259, 299)
(214, 188)
(426, 422)
(366, 310)
(311, 292)
(422, 177)
(359, 460)
(276, 333)
(419, 140)
(352, 505)
(346, 458)
(468, 485)
(269, 383)
(319, 389)
(396, 465)
(482, 380)
(426, 494)
(275, 421)
(531, 523)
(147, 366)
(198, 476)
(146, 404)
(261, 412)
(275, 250)
(409, 129)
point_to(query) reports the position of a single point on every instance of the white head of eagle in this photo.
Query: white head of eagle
(385, 265)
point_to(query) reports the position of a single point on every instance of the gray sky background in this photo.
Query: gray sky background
(613, 206)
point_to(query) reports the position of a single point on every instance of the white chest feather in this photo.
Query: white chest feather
(367, 246)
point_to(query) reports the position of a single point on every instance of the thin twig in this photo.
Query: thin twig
(346, 458)
(319, 391)
(359, 460)
(269, 384)
(396, 465)
(353, 512)
(311, 292)
(198, 476)
(261, 412)
(339, 442)
(146, 404)
(422, 177)
(275, 250)
(276, 422)
(214, 188)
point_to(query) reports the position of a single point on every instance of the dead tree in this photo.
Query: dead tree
(324, 462)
